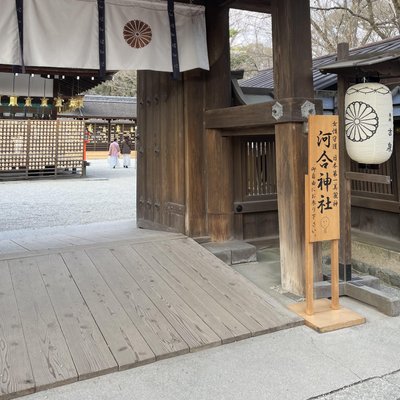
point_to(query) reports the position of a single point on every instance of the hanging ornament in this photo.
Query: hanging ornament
(90, 128)
(369, 123)
(28, 101)
(13, 101)
(58, 103)
(44, 102)
(72, 106)
(118, 129)
(79, 102)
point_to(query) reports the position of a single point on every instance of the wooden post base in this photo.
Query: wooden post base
(325, 319)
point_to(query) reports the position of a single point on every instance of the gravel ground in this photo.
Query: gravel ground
(104, 195)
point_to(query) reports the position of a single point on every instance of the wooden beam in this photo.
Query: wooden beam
(257, 131)
(243, 207)
(375, 204)
(363, 177)
(262, 6)
(257, 115)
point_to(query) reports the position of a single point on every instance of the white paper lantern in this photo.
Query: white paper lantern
(369, 123)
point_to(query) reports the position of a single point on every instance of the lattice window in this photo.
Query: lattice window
(260, 174)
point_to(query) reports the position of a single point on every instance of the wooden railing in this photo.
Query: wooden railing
(378, 196)
(372, 189)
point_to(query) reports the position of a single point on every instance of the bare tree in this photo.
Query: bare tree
(250, 41)
(354, 21)
(357, 22)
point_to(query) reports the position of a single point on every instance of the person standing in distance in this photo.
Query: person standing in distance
(113, 153)
(126, 148)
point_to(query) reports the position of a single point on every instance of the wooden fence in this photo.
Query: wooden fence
(259, 178)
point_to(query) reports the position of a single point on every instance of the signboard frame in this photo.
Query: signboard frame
(322, 223)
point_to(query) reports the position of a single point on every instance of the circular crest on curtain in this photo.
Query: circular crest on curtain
(369, 123)
(137, 33)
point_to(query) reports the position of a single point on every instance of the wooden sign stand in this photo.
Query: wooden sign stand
(322, 224)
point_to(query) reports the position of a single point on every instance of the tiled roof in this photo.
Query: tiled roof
(108, 107)
(265, 79)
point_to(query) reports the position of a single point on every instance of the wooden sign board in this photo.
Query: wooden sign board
(323, 172)
(322, 213)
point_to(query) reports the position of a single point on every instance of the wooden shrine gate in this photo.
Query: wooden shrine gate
(186, 131)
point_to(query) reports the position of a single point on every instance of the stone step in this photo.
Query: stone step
(232, 252)
(376, 256)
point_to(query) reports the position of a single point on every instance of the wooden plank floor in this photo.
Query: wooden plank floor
(90, 308)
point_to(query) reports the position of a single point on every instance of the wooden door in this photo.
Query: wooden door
(160, 152)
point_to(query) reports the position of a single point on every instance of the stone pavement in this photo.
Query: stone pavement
(356, 363)
(104, 195)
(385, 387)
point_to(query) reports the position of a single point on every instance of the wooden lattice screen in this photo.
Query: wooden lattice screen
(258, 179)
(260, 173)
(35, 148)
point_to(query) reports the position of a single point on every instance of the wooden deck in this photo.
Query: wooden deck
(87, 309)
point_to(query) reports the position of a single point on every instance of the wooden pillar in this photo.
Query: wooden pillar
(345, 184)
(219, 153)
(293, 78)
(196, 222)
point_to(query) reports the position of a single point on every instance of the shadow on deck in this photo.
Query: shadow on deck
(74, 308)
